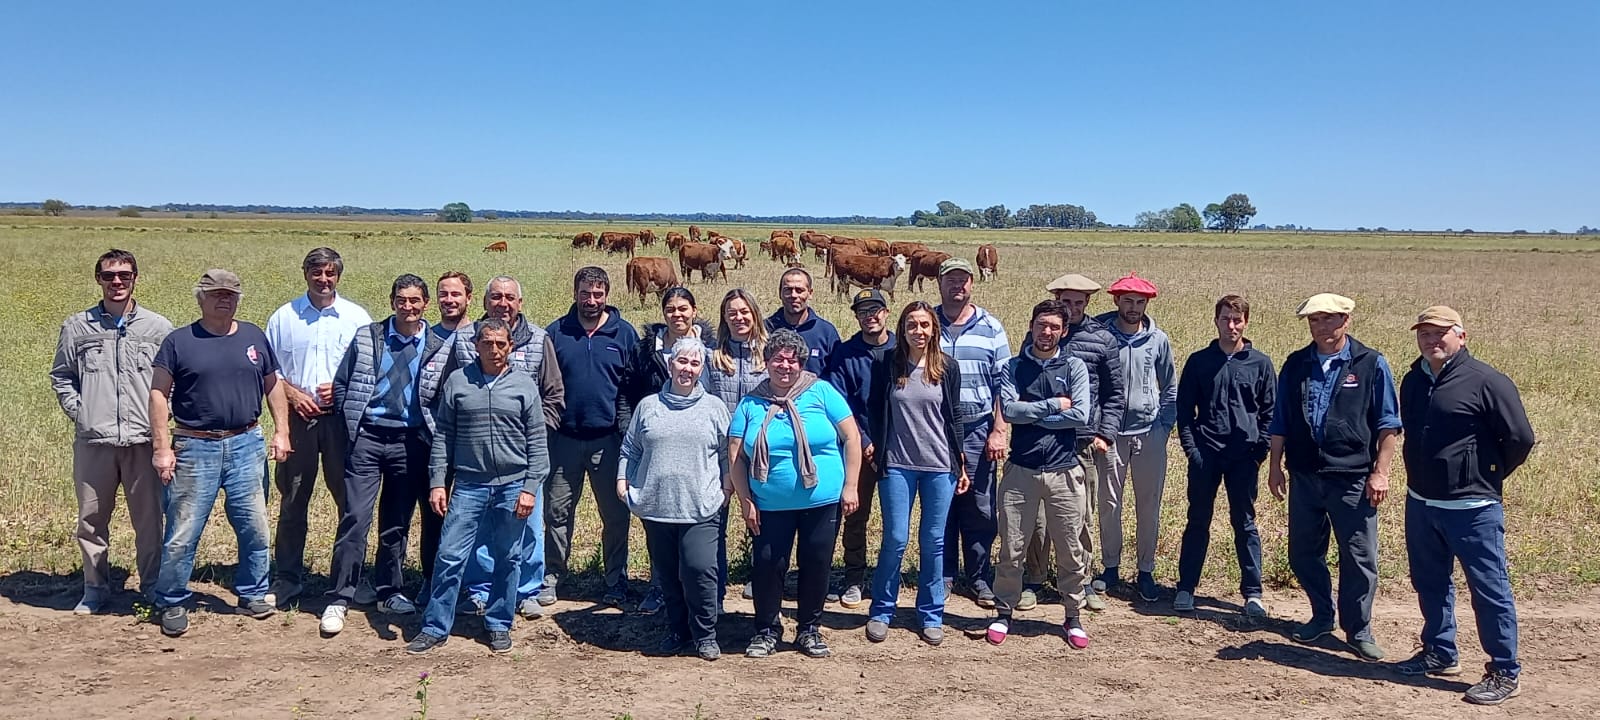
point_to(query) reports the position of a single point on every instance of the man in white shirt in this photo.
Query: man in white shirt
(309, 335)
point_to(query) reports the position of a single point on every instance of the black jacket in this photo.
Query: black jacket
(1225, 403)
(1349, 444)
(849, 371)
(1092, 343)
(649, 368)
(1465, 432)
(880, 419)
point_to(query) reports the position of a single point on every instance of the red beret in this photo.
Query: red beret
(1132, 283)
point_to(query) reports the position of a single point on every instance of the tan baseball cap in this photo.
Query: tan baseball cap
(1326, 303)
(1440, 316)
(219, 279)
(1074, 282)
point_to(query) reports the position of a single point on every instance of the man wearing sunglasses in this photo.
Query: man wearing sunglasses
(101, 376)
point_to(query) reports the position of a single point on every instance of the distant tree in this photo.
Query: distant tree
(456, 212)
(55, 207)
(1184, 218)
(1213, 216)
(996, 216)
(1153, 220)
(947, 208)
(899, 222)
(1519, 232)
(128, 211)
(1552, 231)
(490, 215)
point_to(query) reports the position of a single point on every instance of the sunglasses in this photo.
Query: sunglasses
(123, 275)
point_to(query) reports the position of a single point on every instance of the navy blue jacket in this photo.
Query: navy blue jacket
(849, 371)
(820, 336)
(1225, 403)
(597, 370)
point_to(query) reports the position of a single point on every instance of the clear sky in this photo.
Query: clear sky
(1408, 114)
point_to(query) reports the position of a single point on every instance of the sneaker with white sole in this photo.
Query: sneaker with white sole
(1093, 600)
(472, 605)
(1253, 607)
(851, 597)
(93, 600)
(283, 592)
(1493, 689)
(333, 619)
(1028, 600)
(1183, 601)
(397, 604)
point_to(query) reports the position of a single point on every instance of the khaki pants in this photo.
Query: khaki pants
(1064, 499)
(97, 470)
(1144, 458)
(1038, 558)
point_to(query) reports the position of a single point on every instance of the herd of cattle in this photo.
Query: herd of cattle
(849, 262)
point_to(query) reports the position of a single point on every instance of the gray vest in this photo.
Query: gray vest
(364, 375)
(527, 348)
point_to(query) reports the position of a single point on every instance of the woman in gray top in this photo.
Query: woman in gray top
(913, 419)
(670, 475)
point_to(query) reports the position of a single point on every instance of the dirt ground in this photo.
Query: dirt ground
(586, 662)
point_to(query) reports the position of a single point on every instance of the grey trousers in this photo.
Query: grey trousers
(97, 470)
(321, 440)
(1064, 498)
(1142, 459)
(570, 460)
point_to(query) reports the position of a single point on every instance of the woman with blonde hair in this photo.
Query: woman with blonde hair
(734, 369)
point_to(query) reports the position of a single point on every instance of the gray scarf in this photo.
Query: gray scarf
(760, 461)
(674, 401)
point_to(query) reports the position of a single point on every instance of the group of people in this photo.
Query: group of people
(491, 427)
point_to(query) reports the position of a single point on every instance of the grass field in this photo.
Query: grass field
(1528, 302)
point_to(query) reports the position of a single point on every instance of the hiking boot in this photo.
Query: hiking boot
(1149, 591)
(174, 621)
(93, 600)
(998, 630)
(708, 649)
(424, 643)
(932, 635)
(472, 605)
(499, 641)
(530, 609)
(762, 644)
(812, 645)
(672, 644)
(333, 619)
(258, 608)
(1366, 650)
(397, 604)
(1254, 608)
(1312, 631)
(1183, 601)
(1493, 689)
(653, 602)
(1428, 662)
(1029, 599)
(851, 597)
(284, 592)
(982, 595)
(615, 595)
(1093, 600)
(1077, 638)
(877, 630)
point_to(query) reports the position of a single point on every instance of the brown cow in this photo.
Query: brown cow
(708, 259)
(615, 242)
(988, 262)
(713, 236)
(675, 240)
(650, 274)
(496, 246)
(925, 265)
(738, 251)
(867, 271)
(647, 237)
(811, 238)
(583, 239)
(874, 246)
(694, 233)
(834, 253)
(766, 247)
(782, 249)
(906, 248)
(781, 233)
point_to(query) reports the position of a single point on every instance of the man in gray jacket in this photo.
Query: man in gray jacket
(101, 375)
(1150, 389)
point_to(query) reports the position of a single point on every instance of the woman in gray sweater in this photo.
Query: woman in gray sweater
(670, 475)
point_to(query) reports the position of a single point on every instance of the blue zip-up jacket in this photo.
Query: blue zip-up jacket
(820, 335)
(596, 370)
(1043, 437)
(850, 372)
(1149, 377)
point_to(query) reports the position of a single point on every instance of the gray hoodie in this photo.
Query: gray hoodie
(1150, 385)
(673, 457)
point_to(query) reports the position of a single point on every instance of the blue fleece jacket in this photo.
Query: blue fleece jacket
(596, 369)
(820, 335)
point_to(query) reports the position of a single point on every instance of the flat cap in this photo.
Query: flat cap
(219, 279)
(1074, 282)
(1440, 316)
(1326, 303)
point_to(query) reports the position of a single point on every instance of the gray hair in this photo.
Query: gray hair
(323, 256)
(689, 345)
(785, 339)
(502, 279)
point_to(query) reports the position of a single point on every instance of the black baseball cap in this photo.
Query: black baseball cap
(868, 298)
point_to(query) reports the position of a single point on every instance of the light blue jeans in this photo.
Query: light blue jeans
(489, 512)
(895, 492)
(480, 572)
(236, 467)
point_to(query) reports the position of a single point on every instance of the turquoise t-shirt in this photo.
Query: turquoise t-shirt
(821, 408)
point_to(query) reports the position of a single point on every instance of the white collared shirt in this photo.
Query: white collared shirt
(309, 342)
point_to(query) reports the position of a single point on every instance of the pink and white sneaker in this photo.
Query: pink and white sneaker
(1076, 637)
(997, 631)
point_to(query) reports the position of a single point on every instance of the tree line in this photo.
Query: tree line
(947, 214)
(1231, 215)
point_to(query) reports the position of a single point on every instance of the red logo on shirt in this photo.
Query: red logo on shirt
(1350, 380)
(250, 352)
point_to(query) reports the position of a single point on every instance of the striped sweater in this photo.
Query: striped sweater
(490, 431)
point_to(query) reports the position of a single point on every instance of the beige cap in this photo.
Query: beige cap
(1439, 316)
(219, 279)
(1074, 282)
(1326, 303)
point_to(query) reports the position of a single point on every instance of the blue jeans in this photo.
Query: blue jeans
(477, 510)
(480, 572)
(971, 528)
(237, 467)
(1319, 504)
(895, 491)
(1435, 539)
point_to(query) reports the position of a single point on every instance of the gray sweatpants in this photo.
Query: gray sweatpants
(1063, 498)
(1144, 457)
(97, 470)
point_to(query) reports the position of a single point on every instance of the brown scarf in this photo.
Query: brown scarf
(760, 461)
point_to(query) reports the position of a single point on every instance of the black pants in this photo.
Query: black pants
(854, 537)
(1240, 479)
(388, 466)
(818, 532)
(321, 439)
(686, 555)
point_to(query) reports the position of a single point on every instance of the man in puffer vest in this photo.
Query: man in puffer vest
(383, 391)
(1335, 423)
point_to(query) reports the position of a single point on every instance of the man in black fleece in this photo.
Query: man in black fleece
(1225, 399)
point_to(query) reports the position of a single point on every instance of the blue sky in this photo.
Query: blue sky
(1399, 114)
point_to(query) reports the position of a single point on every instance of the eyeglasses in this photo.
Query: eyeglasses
(123, 275)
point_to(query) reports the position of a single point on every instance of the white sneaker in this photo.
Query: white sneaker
(365, 594)
(333, 619)
(397, 604)
(1183, 602)
(1253, 607)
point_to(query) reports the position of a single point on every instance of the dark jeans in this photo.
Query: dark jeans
(388, 466)
(970, 530)
(322, 438)
(687, 555)
(1240, 477)
(570, 460)
(1435, 539)
(854, 536)
(1318, 504)
(818, 532)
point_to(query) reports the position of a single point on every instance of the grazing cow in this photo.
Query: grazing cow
(708, 259)
(906, 248)
(766, 248)
(647, 237)
(675, 240)
(496, 246)
(650, 275)
(811, 238)
(988, 262)
(924, 265)
(781, 233)
(694, 233)
(867, 271)
(874, 246)
(832, 255)
(738, 251)
(782, 249)
(583, 239)
(615, 242)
